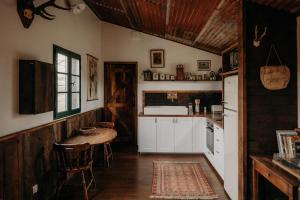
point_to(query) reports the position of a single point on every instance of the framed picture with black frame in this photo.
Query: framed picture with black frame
(203, 65)
(157, 58)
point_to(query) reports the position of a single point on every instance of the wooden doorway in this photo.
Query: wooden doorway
(120, 99)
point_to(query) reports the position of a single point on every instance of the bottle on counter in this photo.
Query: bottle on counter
(190, 109)
(197, 105)
(205, 110)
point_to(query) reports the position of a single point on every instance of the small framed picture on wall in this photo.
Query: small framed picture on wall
(157, 58)
(203, 65)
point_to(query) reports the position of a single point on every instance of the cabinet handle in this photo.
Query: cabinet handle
(155, 120)
(218, 140)
(217, 152)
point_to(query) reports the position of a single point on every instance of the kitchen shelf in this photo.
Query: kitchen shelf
(184, 81)
(229, 73)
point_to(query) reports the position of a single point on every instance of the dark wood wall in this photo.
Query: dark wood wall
(269, 111)
(27, 157)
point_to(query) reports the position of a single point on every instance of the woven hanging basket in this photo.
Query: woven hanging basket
(275, 77)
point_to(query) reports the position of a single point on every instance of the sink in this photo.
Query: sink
(165, 110)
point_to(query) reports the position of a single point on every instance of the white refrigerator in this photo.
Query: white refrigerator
(231, 136)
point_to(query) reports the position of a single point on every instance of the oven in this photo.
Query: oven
(210, 136)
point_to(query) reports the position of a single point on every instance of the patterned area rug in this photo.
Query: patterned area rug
(180, 180)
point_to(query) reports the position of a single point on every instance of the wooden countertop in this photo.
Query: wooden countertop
(207, 116)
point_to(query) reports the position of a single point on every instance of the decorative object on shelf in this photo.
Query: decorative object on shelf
(205, 77)
(167, 77)
(257, 41)
(157, 57)
(188, 76)
(203, 65)
(162, 77)
(274, 77)
(172, 77)
(155, 76)
(212, 76)
(180, 72)
(194, 77)
(87, 130)
(92, 63)
(147, 75)
(199, 77)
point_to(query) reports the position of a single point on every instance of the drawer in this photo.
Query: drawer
(272, 177)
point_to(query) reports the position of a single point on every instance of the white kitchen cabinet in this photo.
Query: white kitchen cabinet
(219, 150)
(147, 134)
(199, 134)
(183, 134)
(171, 134)
(165, 134)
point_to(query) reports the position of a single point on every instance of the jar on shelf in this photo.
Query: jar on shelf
(180, 72)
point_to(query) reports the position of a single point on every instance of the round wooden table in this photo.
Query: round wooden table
(101, 136)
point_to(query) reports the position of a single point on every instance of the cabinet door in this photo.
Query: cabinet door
(147, 134)
(199, 131)
(165, 134)
(219, 150)
(231, 92)
(183, 131)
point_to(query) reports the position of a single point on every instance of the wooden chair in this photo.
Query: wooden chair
(74, 159)
(108, 154)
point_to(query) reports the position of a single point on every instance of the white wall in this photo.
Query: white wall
(118, 45)
(78, 33)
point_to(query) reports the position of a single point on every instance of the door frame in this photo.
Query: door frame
(135, 85)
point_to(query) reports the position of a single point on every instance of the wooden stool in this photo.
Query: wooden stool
(108, 154)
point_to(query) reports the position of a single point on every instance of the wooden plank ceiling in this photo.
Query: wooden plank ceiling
(209, 25)
(292, 6)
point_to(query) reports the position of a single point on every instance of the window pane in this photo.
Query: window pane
(62, 83)
(75, 66)
(62, 100)
(75, 84)
(75, 100)
(62, 63)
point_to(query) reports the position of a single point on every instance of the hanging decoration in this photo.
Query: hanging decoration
(274, 77)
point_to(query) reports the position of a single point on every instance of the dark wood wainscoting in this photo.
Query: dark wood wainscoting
(268, 111)
(27, 157)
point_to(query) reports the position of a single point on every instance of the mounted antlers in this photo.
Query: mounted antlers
(40, 10)
(257, 41)
(27, 10)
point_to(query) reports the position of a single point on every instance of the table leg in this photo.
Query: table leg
(255, 182)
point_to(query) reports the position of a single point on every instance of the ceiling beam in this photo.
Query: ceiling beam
(209, 21)
(106, 6)
(168, 8)
(127, 15)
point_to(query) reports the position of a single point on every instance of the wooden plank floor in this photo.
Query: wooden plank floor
(130, 177)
